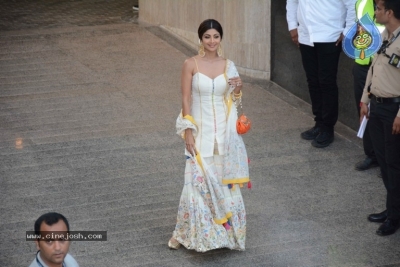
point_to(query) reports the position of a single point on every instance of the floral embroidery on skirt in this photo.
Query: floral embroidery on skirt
(196, 228)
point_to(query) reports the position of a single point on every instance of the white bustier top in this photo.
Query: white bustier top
(209, 111)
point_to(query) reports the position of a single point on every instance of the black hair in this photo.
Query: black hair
(50, 219)
(209, 24)
(393, 5)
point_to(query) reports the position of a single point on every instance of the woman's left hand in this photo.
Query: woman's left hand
(237, 82)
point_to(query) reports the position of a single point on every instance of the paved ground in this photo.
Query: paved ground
(88, 101)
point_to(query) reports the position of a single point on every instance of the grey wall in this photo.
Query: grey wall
(287, 70)
(246, 45)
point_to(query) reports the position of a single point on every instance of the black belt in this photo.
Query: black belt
(386, 99)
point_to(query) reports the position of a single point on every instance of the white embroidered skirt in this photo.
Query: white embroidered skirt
(195, 228)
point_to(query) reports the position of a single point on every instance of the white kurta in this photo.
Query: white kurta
(209, 112)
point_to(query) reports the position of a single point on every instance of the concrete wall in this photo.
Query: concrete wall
(287, 70)
(246, 24)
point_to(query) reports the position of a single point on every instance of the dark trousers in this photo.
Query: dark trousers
(320, 63)
(360, 75)
(387, 151)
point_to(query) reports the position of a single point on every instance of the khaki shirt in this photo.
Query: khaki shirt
(385, 80)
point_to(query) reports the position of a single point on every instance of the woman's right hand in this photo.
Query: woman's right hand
(189, 139)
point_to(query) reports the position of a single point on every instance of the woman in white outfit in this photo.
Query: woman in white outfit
(211, 211)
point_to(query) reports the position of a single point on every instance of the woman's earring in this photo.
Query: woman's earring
(219, 50)
(201, 50)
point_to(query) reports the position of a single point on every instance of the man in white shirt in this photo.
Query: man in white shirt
(317, 28)
(52, 252)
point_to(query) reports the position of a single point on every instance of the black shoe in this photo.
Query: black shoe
(311, 134)
(378, 217)
(323, 139)
(388, 227)
(366, 164)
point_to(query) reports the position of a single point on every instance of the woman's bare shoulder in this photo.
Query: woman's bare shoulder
(190, 61)
(189, 64)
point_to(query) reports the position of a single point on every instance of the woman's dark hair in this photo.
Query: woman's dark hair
(209, 24)
(50, 219)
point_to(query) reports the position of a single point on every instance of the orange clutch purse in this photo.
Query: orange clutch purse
(243, 124)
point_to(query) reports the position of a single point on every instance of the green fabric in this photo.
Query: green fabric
(369, 8)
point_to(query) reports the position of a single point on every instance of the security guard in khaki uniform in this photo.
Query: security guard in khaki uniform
(360, 71)
(382, 91)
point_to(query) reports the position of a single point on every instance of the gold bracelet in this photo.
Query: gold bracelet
(236, 96)
(239, 95)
